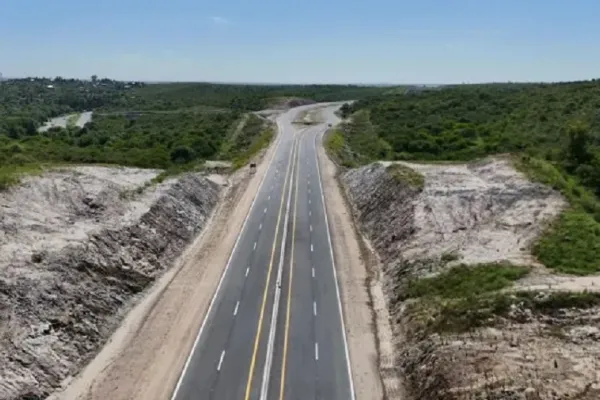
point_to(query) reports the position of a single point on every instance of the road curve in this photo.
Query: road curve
(274, 328)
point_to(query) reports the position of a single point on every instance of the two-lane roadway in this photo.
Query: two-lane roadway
(274, 328)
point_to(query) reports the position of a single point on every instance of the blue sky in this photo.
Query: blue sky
(349, 41)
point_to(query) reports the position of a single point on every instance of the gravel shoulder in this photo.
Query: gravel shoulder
(145, 356)
(357, 289)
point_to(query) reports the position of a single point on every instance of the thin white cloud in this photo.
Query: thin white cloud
(220, 21)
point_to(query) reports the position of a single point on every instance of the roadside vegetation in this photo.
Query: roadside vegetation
(406, 176)
(553, 131)
(468, 297)
(172, 126)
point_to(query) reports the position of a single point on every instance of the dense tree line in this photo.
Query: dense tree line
(553, 131)
(138, 124)
(25, 104)
(557, 122)
(143, 140)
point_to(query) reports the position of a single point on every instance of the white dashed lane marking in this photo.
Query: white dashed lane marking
(221, 360)
(237, 305)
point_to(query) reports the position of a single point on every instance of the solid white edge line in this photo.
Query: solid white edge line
(212, 301)
(337, 288)
(264, 390)
(237, 305)
(221, 360)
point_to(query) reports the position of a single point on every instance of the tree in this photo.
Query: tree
(579, 139)
(94, 78)
(182, 155)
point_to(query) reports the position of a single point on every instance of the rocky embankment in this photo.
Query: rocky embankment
(455, 341)
(77, 247)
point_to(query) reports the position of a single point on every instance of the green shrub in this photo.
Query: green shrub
(406, 175)
(466, 281)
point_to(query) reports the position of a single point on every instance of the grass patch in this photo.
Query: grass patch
(176, 170)
(408, 176)
(462, 298)
(248, 139)
(11, 174)
(449, 257)
(259, 143)
(304, 118)
(337, 149)
(465, 281)
(547, 173)
(72, 120)
(572, 243)
(465, 314)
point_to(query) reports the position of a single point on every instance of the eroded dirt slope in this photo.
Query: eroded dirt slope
(77, 246)
(510, 345)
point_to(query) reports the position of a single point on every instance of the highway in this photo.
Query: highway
(274, 329)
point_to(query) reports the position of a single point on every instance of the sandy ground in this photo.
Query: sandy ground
(49, 212)
(145, 355)
(357, 290)
(482, 212)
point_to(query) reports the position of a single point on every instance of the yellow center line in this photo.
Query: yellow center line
(289, 294)
(265, 293)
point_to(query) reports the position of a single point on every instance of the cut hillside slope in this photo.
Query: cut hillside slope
(451, 240)
(77, 246)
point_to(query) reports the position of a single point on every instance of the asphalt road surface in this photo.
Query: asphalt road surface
(274, 329)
